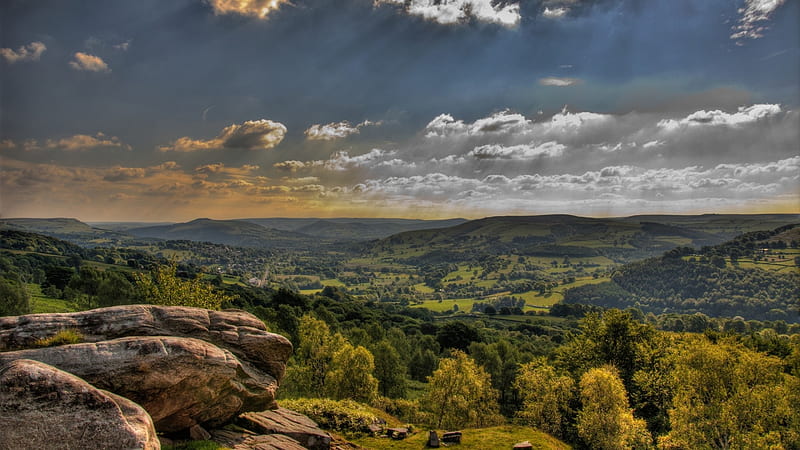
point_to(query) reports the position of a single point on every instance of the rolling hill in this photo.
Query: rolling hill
(68, 229)
(352, 229)
(228, 232)
(620, 239)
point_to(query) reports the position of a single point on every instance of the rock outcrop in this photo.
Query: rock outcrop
(43, 407)
(289, 423)
(237, 331)
(181, 382)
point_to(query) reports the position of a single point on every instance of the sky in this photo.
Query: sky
(158, 110)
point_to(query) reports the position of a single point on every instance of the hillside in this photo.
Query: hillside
(71, 230)
(352, 229)
(619, 239)
(227, 232)
(756, 275)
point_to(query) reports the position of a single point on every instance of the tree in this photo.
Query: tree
(350, 375)
(605, 420)
(460, 394)
(14, 298)
(313, 357)
(728, 396)
(545, 397)
(163, 287)
(389, 370)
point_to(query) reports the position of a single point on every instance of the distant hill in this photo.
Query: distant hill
(620, 239)
(67, 229)
(755, 275)
(228, 232)
(352, 229)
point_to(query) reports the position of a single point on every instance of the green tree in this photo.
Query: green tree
(389, 370)
(730, 397)
(14, 298)
(308, 369)
(350, 375)
(545, 396)
(163, 287)
(460, 394)
(605, 421)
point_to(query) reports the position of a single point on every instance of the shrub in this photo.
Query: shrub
(339, 415)
(63, 337)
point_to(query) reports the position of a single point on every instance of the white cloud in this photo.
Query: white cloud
(501, 122)
(448, 12)
(753, 16)
(259, 9)
(555, 13)
(336, 130)
(559, 82)
(549, 149)
(260, 134)
(89, 63)
(652, 144)
(29, 52)
(716, 117)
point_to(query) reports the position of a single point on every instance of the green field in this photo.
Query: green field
(40, 303)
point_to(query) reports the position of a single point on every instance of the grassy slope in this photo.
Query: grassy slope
(474, 438)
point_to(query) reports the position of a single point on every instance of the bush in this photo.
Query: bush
(339, 415)
(63, 337)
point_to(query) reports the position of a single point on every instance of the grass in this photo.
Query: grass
(63, 337)
(474, 438)
(41, 303)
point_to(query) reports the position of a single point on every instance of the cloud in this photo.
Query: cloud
(260, 134)
(559, 82)
(89, 63)
(716, 117)
(555, 13)
(501, 122)
(124, 173)
(75, 143)
(29, 52)
(258, 9)
(336, 130)
(518, 152)
(753, 16)
(449, 12)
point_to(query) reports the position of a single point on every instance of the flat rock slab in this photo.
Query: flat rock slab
(239, 332)
(289, 423)
(179, 381)
(43, 407)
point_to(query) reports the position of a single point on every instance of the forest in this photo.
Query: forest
(639, 361)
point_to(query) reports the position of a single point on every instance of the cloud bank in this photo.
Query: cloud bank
(449, 12)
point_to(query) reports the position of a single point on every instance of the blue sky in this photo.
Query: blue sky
(154, 110)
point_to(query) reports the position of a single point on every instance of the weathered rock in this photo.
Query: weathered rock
(43, 407)
(245, 440)
(198, 433)
(240, 332)
(290, 423)
(179, 381)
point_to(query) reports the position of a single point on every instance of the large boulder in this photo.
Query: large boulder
(181, 382)
(237, 331)
(43, 407)
(287, 422)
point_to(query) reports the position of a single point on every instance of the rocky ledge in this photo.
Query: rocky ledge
(142, 369)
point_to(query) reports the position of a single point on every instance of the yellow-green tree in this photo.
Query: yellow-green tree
(350, 375)
(730, 397)
(313, 356)
(605, 420)
(545, 397)
(460, 394)
(162, 286)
